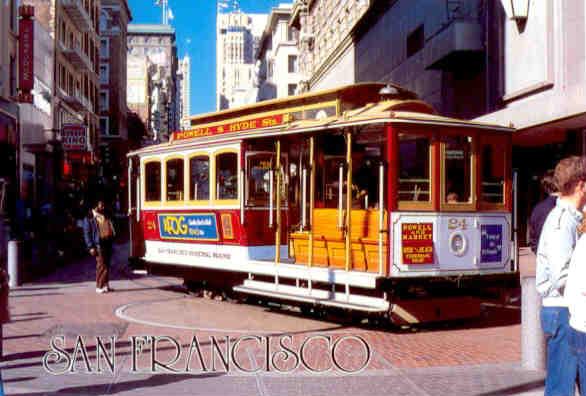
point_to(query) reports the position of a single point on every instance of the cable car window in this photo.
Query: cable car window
(199, 168)
(227, 176)
(457, 158)
(414, 168)
(258, 179)
(153, 181)
(493, 173)
(175, 179)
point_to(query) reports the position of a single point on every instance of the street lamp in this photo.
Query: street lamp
(520, 10)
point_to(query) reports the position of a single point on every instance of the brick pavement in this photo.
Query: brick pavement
(476, 357)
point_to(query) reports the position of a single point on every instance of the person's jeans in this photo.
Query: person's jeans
(578, 346)
(562, 365)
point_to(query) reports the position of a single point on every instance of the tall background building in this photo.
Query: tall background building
(73, 28)
(237, 38)
(114, 144)
(278, 56)
(152, 78)
(184, 79)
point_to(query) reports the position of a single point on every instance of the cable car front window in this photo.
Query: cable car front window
(458, 169)
(175, 179)
(227, 176)
(414, 168)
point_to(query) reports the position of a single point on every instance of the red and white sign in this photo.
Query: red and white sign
(237, 126)
(26, 54)
(417, 243)
(74, 137)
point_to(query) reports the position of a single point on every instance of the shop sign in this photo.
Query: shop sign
(237, 126)
(417, 243)
(74, 137)
(26, 80)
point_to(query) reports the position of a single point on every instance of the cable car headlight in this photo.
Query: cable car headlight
(458, 243)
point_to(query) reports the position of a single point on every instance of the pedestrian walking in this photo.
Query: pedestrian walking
(554, 253)
(542, 209)
(98, 234)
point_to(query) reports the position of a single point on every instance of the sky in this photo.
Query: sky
(195, 25)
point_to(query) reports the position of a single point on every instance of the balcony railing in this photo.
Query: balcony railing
(78, 14)
(75, 56)
(74, 101)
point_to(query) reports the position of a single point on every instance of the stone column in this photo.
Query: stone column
(533, 348)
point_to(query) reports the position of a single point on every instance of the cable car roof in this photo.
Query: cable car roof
(402, 110)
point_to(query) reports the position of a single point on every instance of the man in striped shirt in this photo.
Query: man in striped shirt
(556, 245)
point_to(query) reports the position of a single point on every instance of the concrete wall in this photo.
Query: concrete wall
(545, 68)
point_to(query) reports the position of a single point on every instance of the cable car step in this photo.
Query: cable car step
(314, 296)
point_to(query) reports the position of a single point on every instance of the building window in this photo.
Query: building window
(104, 47)
(199, 178)
(104, 100)
(104, 126)
(415, 41)
(292, 61)
(12, 76)
(174, 177)
(292, 34)
(104, 73)
(291, 88)
(227, 176)
(13, 15)
(152, 181)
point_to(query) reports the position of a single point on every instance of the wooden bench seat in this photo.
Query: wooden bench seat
(329, 243)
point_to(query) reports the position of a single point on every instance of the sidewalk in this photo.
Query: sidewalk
(466, 359)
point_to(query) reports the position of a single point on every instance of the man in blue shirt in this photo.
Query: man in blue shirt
(554, 251)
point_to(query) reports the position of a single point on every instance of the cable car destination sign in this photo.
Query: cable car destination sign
(231, 127)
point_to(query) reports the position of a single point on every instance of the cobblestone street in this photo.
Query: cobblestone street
(474, 358)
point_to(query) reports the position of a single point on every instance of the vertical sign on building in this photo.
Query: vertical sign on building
(26, 46)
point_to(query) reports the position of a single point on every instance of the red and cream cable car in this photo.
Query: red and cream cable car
(359, 197)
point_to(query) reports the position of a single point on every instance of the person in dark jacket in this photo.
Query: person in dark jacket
(542, 209)
(98, 234)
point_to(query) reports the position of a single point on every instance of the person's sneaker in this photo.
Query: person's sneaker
(109, 289)
(101, 290)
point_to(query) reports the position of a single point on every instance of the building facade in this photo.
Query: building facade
(39, 148)
(438, 49)
(237, 39)
(152, 78)
(542, 89)
(8, 106)
(73, 27)
(278, 56)
(113, 110)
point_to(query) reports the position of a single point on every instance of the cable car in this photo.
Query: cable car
(360, 198)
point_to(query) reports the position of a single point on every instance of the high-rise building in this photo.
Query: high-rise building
(152, 57)
(278, 56)
(184, 78)
(237, 40)
(114, 18)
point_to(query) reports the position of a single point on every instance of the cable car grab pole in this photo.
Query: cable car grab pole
(311, 203)
(278, 207)
(348, 208)
(381, 215)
